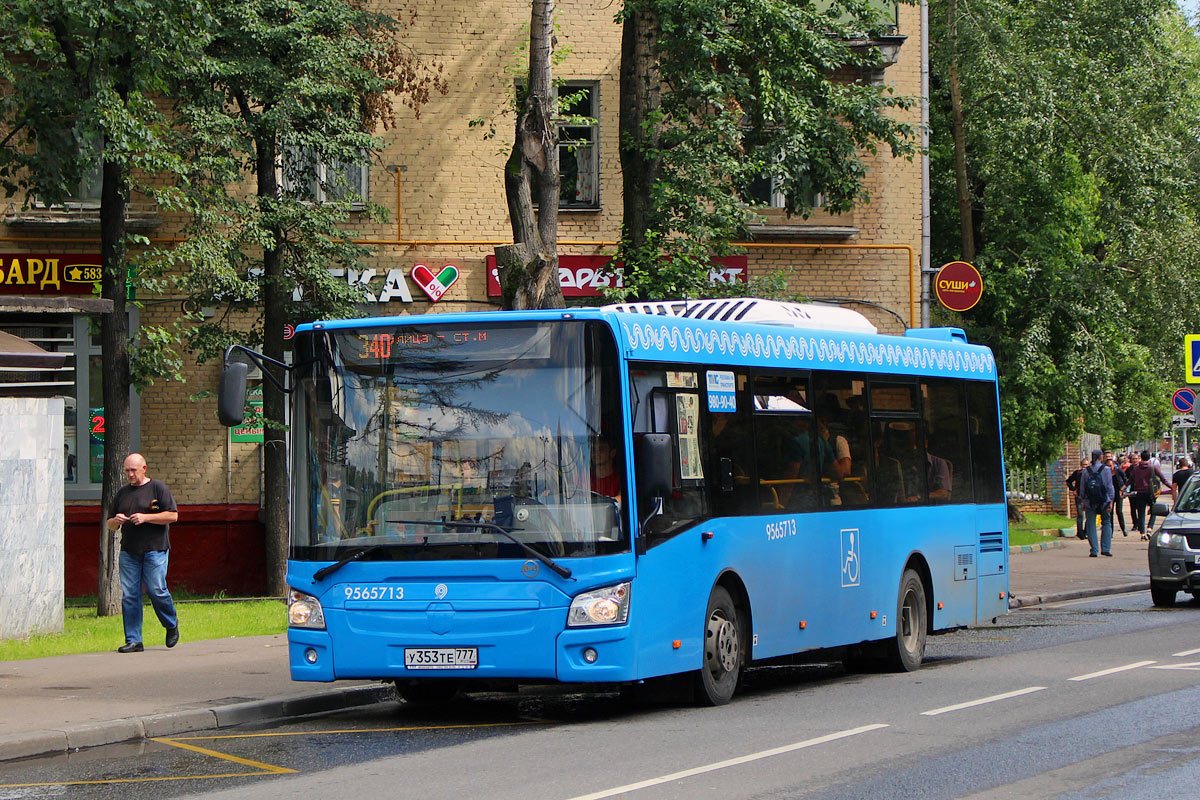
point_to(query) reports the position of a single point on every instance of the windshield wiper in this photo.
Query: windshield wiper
(493, 528)
(356, 555)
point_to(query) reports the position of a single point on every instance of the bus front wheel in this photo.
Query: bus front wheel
(906, 650)
(724, 650)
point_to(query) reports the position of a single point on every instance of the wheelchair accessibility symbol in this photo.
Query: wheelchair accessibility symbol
(851, 540)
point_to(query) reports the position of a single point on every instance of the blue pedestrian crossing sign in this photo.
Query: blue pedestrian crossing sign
(1191, 358)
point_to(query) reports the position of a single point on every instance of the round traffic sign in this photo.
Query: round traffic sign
(1183, 400)
(958, 286)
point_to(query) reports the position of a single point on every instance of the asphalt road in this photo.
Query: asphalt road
(1093, 698)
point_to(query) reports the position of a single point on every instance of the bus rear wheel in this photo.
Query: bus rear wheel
(906, 650)
(724, 650)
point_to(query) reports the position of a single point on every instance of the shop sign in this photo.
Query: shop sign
(958, 286)
(34, 274)
(589, 276)
(251, 429)
(434, 286)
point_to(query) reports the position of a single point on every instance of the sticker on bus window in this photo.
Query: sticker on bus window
(722, 394)
(687, 417)
(682, 380)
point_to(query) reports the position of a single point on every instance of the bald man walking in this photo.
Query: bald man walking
(144, 510)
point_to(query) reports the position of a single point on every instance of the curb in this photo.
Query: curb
(49, 742)
(1076, 594)
(1033, 548)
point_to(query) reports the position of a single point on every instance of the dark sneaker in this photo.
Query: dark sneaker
(131, 647)
(172, 636)
(1107, 554)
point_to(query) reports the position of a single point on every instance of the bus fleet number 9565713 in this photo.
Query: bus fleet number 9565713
(354, 592)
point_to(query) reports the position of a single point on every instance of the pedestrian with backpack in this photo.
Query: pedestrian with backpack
(1096, 497)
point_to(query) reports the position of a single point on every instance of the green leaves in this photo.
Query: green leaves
(1080, 120)
(748, 95)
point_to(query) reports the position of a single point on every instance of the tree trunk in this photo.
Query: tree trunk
(958, 134)
(275, 462)
(114, 337)
(528, 269)
(641, 98)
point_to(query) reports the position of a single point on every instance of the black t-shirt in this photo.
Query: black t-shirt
(1181, 476)
(149, 498)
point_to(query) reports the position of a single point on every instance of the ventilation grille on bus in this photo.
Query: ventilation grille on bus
(752, 309)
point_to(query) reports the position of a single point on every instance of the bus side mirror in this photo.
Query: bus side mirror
(654, 466)
(231, 394)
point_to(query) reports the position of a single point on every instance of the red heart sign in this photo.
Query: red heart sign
(434, 285)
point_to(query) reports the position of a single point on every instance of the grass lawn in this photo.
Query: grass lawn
(1035, 521)
(1027, 532)
(84, 632)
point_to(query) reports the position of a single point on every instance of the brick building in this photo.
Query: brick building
(443, 182)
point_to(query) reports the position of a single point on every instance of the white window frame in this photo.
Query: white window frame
(568, 148)
(321, 172)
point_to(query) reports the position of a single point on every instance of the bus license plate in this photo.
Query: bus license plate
(441, 657)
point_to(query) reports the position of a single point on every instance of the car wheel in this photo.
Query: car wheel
(1163, 594)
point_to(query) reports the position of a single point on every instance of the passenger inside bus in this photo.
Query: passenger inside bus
(605, 476)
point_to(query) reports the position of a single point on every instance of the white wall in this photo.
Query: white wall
(31, 516)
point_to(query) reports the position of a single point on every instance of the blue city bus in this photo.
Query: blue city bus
(618, 494)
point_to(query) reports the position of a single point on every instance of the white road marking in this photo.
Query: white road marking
(1112, 671)
(733, 762)
(1195, 665)
(982, 701)
(1186, 653)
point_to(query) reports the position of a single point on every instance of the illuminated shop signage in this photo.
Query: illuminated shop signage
(49, 274)
(589, 276)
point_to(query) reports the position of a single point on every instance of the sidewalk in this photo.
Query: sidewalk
(53, 705)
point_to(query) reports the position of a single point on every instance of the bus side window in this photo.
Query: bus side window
(841, 417)
(984, 430)
(790, 452)
(945, 414)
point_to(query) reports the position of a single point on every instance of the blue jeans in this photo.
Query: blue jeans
(1105, 528)
(149, 569)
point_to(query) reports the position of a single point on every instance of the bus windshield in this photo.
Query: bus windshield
(405, 436)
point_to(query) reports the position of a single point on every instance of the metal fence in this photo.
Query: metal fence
(1027, 484)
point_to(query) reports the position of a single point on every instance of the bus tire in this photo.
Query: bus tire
(425, 694)
(724, 650)
(906, 650)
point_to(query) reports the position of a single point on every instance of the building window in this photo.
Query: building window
(78, 381)
(766, 191)
(305, 174)
(578, 146)
(85, 193)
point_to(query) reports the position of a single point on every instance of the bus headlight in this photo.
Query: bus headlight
(607, 606)
(304, 611)
(1172, 540)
